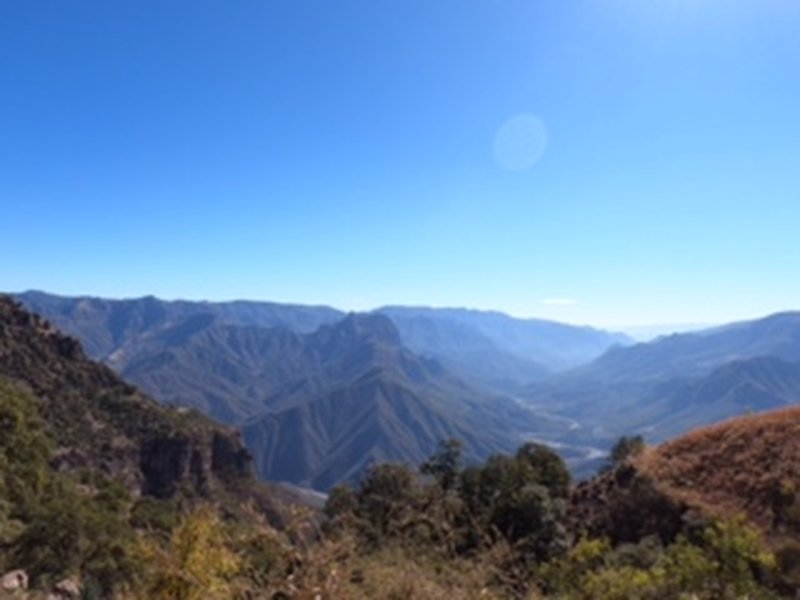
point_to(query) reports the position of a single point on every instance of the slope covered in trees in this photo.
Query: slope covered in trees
(88, 463)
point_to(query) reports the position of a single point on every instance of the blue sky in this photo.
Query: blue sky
(615, 163)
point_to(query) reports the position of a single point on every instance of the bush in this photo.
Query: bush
(725, 561)
(625, 448)
(445, 465)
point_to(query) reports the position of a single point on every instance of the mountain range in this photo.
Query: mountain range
(665, 387)
(320, 395)
(96, 475)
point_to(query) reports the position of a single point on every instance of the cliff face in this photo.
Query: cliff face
(100, 422)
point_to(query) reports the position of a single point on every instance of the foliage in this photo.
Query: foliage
(445, 465)
(495, 530)
(24, 453)
(625, 448)
(725, 561)
(53, 524)
(196, 564)
(387, 498)
(154, 514)
(521, 498)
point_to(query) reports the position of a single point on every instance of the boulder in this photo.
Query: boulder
(14, 581)
(66, 589)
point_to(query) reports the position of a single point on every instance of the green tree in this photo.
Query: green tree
(521, 498)
(386, 499)
(545, 468)
(625, 448)
(445, 465)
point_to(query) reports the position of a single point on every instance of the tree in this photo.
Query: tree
(545, 467)
(341, 501)
(625, 448)
(387, 496)
(196, 564)
(445, 465)
(521, 498)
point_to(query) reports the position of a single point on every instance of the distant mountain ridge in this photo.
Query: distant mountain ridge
(701, 351)
(495, 350)
(321, 395)
(104, 325)
(321, 407)
(555, 345)
(668, 386)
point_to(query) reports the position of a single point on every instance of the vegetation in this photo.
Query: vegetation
(135, 500)
(55, 524)
(495, 530)
(625, 448)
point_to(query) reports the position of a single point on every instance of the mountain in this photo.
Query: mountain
(491, 349)
(668, 386)
(104, 326)
(262, 365)
(319, 408)
(373, 401)
(495, 350)
(735, 388)
(699, 352)
(228, 372)
(316, 407)
(99, 421)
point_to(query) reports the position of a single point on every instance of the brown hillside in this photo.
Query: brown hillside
(745, 465)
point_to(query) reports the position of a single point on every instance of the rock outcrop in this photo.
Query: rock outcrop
(101, 422)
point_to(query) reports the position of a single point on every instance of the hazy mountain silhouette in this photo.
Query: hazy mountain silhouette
(672, 384)
(496, 350)
(284, 385)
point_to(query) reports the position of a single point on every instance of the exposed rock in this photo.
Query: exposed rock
(100, 422)
(68, 589)
(13, 581)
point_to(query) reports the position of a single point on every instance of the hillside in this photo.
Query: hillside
(370, 400)
(748, 465)
(335, 435)
(496, 350)
(101, 422)
(714, 514)
(698, 353)
(671, 385)
(745, 466)
(278, 382)
(90, 467)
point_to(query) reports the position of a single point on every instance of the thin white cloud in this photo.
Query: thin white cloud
(559, 301)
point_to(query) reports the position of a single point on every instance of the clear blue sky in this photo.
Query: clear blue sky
(359, 153)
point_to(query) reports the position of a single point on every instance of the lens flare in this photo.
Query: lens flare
(520, 142)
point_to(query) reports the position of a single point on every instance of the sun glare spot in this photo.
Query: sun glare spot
(520, 142)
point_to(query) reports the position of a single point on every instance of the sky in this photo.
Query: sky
(615, 162)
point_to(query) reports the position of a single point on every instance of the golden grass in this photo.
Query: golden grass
(733, 467)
